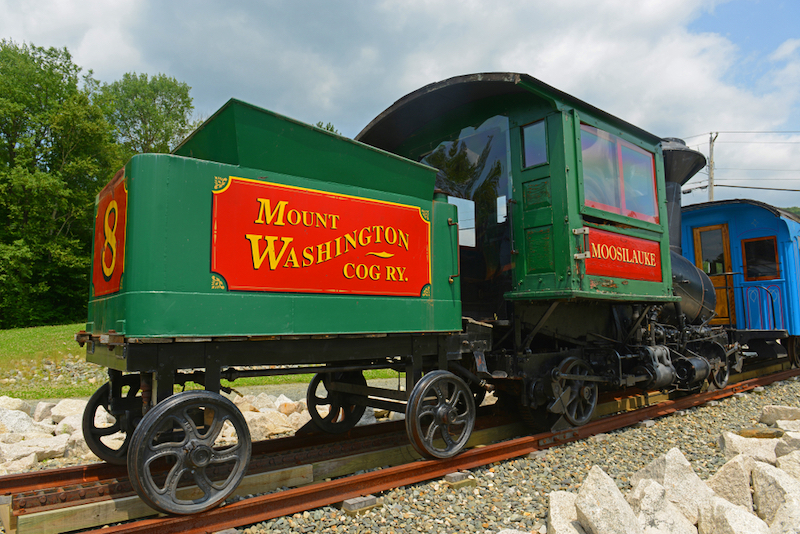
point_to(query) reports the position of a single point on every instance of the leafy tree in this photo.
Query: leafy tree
(794, 210)
(149, 114)
(56, 151)
(329, 127)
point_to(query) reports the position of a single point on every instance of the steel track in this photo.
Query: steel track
(39, 491)
(296, 500)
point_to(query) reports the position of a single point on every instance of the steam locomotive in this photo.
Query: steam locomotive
(484, 233)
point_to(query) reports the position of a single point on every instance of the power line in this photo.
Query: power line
(764, 170)
(755, 187)
(759, 142)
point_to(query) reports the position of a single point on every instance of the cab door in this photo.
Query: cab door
(713, 255)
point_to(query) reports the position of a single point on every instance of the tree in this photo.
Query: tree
(149, 114)
(56, 151)
(329, 127)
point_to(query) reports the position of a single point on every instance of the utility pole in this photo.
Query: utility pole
(711, 138)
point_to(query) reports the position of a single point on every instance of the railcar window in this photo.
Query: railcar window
(473, 164)
(473, 171)
(466, 220)
(761, 259)
(618, 176)
(712, 251)
(534, 143)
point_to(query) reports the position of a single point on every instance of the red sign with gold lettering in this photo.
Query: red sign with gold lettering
(623, 256)
(272, 237)
(109, 236)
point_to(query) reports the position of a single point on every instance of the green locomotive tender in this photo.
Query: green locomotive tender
(485, 233)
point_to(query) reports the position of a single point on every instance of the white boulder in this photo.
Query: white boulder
(43, 447)
(17, 422)
(787, 518)
(682, 485)
(69, 424)
(264, 402)
(761, 449)
(299, 419)
(602, 508)
(655, 512)
(24, 463)
(67, 407)
(11, 403)
(771, 489)
(718, 516)
(562, 516)
(43, 410)
(732, 481)
(790, 464)
(789, 442)
(788, 426)
(771, 413)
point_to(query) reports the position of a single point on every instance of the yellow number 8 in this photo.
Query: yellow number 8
(110, 241)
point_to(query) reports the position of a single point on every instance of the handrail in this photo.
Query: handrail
(771, 304)
(726, 287)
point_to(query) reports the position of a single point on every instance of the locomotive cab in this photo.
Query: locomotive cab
(556, 199)
(564, 239)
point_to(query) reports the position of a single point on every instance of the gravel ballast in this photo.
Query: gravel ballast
(513, 494)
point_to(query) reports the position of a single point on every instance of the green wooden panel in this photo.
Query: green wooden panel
(539, 250)
(537, 194)
(168, 288)
(249, 136)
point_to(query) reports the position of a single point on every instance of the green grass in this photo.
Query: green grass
(39, 342)
(46, 363)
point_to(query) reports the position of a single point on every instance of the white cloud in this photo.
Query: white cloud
(94, 31)
(345, 62)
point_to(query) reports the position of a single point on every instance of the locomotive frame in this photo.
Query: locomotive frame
(543, 268)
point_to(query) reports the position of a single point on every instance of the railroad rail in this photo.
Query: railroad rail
(99, 494)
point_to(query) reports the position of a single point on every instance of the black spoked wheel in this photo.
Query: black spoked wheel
(794, 350)
(719, 377)
(189, 453)
(440, 415)
(330, 410)
(102, 439)
(575, 397)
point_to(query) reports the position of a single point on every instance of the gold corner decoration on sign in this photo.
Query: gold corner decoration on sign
(220, 183)
(217, 282)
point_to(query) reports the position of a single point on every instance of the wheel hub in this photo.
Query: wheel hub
(199, 455)
(446, 415)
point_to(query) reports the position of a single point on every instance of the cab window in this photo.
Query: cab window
(618, 176)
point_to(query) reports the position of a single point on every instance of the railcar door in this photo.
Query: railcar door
(713, 255)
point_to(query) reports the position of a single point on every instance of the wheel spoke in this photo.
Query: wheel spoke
(205, 485)
(106, 430)
(214, 429)
(430, 434)
(429, 411)
(440, 395)
(448, 439)
(176, 452)
(174, 476)
(462, 418)
(226, 455)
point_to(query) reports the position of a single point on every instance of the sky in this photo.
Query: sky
(677, 68)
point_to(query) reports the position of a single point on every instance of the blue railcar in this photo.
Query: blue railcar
(751, 252)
